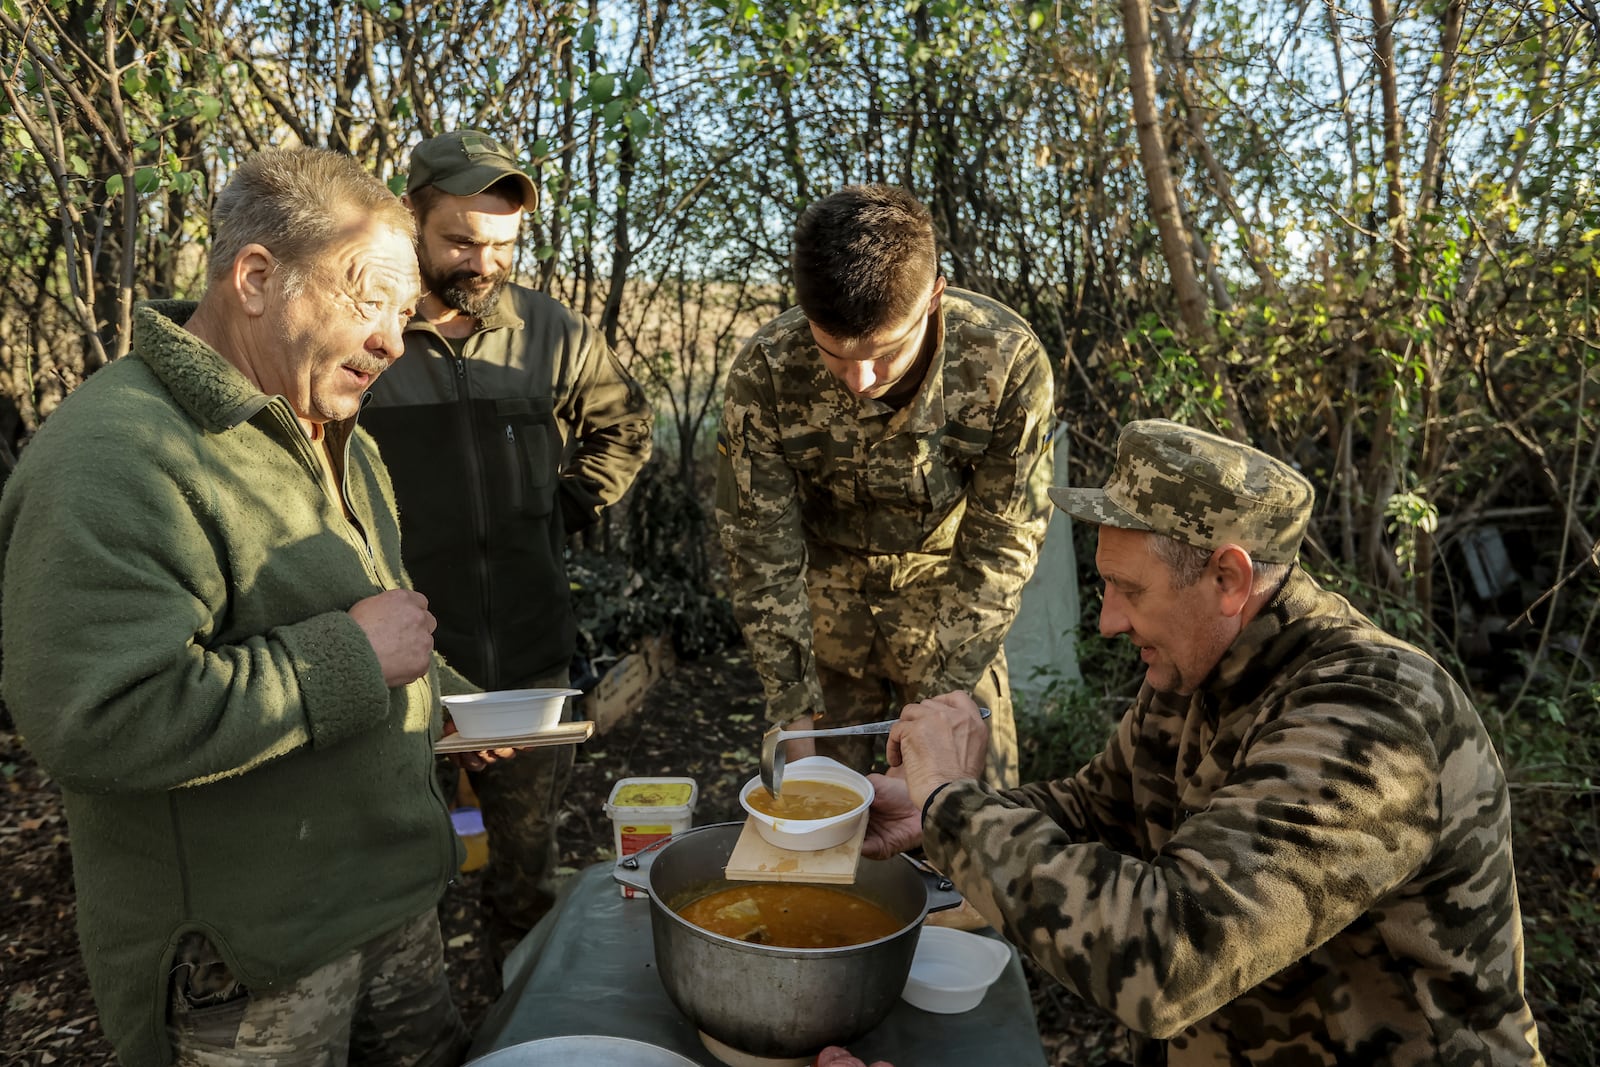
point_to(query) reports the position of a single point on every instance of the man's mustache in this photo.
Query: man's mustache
(471, 276)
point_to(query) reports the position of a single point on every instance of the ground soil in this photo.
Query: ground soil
(703, 720)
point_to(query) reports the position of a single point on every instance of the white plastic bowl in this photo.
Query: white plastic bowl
(953, 969)
(811, 835)
(507, 713)
(583, 1048)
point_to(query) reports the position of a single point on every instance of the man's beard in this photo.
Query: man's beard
(471, 300)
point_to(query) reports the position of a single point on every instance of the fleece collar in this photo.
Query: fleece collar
(213, 391)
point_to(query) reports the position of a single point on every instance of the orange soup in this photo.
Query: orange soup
(804, 799)
(786, 915)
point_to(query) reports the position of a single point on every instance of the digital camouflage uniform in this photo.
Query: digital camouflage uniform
(386, 1002)
(1307, 861)
(877, 555)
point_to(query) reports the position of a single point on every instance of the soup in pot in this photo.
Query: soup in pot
(804, 799)
(787, 915)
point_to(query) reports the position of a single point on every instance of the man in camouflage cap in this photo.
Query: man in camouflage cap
(1296, 847)
(882, 476)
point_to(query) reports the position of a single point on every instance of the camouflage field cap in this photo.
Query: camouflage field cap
(465, 163)
(1198, 488)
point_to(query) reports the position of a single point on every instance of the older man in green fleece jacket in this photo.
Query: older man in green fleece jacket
(209, 644)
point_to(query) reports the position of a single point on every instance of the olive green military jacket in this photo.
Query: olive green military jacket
(1306, 862)
(932, 513)
(498, 452)
(179, 654)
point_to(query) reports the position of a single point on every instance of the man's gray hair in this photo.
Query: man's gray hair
(1186, 563)
(294, 201)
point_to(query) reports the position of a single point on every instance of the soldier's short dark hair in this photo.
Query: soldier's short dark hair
(863, 259)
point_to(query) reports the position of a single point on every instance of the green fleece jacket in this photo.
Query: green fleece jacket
(175, 574)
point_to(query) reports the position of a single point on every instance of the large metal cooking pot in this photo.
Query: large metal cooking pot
(769, 1001)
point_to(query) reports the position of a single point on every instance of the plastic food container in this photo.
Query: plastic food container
(953, 969)
(646, 810)
(811, 835)
(469, 827)
(583, 1048)
(507, 713)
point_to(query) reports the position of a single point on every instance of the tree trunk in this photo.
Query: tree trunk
(1393, 134)
(1164, 207)
(1438, 120)
(1254, 249)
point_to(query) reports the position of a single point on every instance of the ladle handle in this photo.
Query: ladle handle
(847, 731)
(842, 731)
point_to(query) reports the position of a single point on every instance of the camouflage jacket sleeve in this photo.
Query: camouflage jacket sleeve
(997, 543)
(758, 515)
(608, 418)
(1331, 807)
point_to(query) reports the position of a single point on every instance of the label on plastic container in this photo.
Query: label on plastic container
(632, 838)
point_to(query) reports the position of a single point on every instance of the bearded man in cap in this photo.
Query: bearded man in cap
(500, 382)
(1296, 849)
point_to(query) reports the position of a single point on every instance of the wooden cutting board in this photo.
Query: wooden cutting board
(563, 733)
(755, 859)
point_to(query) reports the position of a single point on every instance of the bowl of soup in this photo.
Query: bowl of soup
(791, 915)
(822, 804)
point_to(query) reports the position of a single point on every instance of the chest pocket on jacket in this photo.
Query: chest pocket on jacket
(922, 477)
(826, 469)
(945, 473)
(530, 450)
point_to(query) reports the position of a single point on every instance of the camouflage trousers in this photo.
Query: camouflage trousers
(385, 1003)
(872, 649)
(520, 799)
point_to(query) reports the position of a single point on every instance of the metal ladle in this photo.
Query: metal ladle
(772, 745)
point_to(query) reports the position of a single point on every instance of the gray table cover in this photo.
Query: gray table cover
(589, 968)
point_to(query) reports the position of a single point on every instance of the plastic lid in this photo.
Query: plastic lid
(467, 821)
(653, 793)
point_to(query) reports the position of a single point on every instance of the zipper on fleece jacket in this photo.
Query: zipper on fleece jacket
(347, 526)
(480, 507)
(358, 537)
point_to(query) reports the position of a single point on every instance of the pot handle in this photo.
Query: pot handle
(941, 890)
(633, 870)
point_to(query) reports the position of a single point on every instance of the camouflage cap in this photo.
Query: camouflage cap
(1198, 488)
(465, 163)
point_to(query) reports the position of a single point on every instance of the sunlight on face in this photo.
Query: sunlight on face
(343, 329)
(1181, 634)
(466, 249)
(871, 367)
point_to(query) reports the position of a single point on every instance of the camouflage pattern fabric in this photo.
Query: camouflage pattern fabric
(859, 534)
(1202, 489)
(385, 1004)
(1306, 862)
(521, 800)
(875, 697)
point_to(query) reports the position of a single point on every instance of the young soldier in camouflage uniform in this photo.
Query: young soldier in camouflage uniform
(498, 381)
(1296, 849)
(882, 482)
